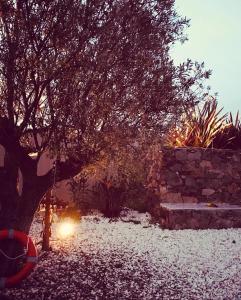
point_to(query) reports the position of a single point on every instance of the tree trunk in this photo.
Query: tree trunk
(17, 212)
(17, 208)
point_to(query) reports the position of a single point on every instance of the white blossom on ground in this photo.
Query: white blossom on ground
(133, 259)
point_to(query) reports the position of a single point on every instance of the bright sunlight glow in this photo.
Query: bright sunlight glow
(66, 228)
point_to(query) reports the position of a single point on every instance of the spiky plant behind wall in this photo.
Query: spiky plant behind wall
(199, 126)
(230, 135)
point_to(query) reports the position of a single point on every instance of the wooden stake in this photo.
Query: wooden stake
(47, 223)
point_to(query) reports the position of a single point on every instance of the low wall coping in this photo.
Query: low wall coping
(199, 206)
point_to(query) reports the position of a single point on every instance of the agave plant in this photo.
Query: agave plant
(230, 135)
(199, 126)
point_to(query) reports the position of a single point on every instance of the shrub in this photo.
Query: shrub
(206, 127)
(118, 180)
(230, 136)
(139, 197)
(198, 126)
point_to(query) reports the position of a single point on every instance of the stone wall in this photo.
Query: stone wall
(193, 175)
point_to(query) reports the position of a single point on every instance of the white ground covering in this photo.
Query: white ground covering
(121, 260)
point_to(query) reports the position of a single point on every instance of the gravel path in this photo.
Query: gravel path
(121, 260)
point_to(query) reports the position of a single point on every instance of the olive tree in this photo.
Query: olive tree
(76, 78)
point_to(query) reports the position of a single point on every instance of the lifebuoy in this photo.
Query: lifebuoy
(31, 257)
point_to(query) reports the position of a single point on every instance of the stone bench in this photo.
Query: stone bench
(199, 216)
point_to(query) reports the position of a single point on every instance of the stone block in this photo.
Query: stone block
(194, 155)
(175, 182)
(236, 158)
(190, 181)
(172, 197)
(200, 216)
(181, 154)
(174, 179)
(226, 180)
(215, 173)
(208, 192)
(176, 167)
(226, 197)
(235, 175)
(233, 188)
(197, 172)
(189, 199)
(205, 164)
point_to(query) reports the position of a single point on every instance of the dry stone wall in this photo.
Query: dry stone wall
(193, 175)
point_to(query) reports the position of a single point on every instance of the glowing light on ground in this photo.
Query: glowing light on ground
(66, 229)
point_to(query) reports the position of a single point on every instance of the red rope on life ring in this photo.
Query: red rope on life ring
(31, 257)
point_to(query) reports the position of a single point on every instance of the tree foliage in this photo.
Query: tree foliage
(77, 71)
(76, 77)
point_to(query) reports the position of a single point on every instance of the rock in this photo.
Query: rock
(173, 178)
(215, 173)
(181, 154)
(233, 188)
(173, 197)
(189, 199)
(177, 167)
(194, 155)
(205, 164)
(200, 216)
(199, 173)
(236, 158)
(208, 192)
(189, 181)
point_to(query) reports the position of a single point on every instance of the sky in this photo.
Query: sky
(215, 39)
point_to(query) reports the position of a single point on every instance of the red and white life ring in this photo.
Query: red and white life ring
(31, 257)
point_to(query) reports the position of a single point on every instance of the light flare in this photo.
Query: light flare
(66, 229)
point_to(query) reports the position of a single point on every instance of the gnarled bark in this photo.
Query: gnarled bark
(17, 209)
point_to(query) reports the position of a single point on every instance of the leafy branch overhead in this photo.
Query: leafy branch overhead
(79, 80)
(75, 73)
